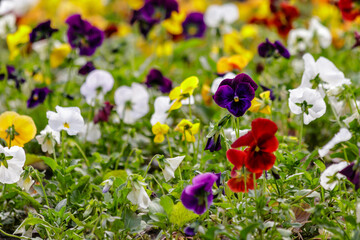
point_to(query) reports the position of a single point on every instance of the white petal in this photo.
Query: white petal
(310, 70)
(343, 135)
(329, 172)
(230, 13)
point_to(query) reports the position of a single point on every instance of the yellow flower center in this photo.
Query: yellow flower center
(236, 98)
(35, 97)
(66, 125)
(192, 30)
(257, 149)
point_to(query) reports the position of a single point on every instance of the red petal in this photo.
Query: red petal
(246, 140)
(236, 185)
(261, 127)
(259, 161)
(236, 157)
(269, 145)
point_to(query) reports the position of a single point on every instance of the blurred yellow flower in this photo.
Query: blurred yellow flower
(174, 24)
(232, 44)
(123, 29)
(59, 54)
(249, 31)
(39, 78)
(261, 104)
(185, 90)
(164, 49)
(206, 94)
(254, 9)
(229, 64)
(188, 129)
(16, 129)
(328, 13)
(160, 130)
(17, 39)
(135, 4)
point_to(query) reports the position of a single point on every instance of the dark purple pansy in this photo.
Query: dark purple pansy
(153, 12)
(272, 96)
(353, 175)
(236, 94)
(42, 31)
(268, 49)
(189, 231)
(357, 40)
(87, 68)
(213, 143)
(104, 113)
(83, 36)
(198, 197)
(155, 77)
(194, 25)
(37, 97)
(13, 75)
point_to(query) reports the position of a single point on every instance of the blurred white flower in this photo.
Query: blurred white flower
(215, 84)
(66, 118)
(230, 133)
(25, 184)
(162, 105)
(329, 178)
(321, 32)
(343, 135)
(41, 48)
(11, 164)
(91, 132)
(299, 40)
(97, 84)
(215, 15)
(138, 195)
(308, 102)
(171, 164)
(47, 139)
(132, 102)
(7, 24)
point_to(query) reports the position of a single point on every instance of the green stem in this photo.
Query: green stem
(82, 153)
(63, 148)
(11, 235)
(148, 167)
(190, 110)
(42, 187)
(170, 150)
(306, 195)
(301, 130)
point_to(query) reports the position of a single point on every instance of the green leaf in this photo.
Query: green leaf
(32, 201)
(180, 215)
(167, 203)
(61, 204)
(50, 162)
(32, 158)
(320, 164)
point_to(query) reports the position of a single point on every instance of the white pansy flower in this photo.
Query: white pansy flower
(171, 164)
(138, 195)
(299, 40)
(66, 118)
(25, 184)
(7, 24)
(308, 102)
(11, 164)
(132, 102)
(215, 84)
(343, 135)
(329, 178)
(41, 48)
(47, 139)
(321, 32)
(162, 105)
(215, 15)
(22, 6)
(96, 85)
(91, 132)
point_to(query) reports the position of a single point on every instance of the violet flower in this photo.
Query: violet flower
(37, 97)
(268, 49)
(213, 143)
(42, 31)
(87, 68)
(104, 113)
(189, 231)
(194, 25)
(155, 77)
(357, 40)
(84, 36)
(236, 94)
(198, 196)
(353, 175)
(13, 75)
(153, 12)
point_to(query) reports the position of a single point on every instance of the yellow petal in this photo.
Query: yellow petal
(59, 54)
(223, 66)
(159, 138)
(176, 105)
(266, 110)
(15, 40)
(156, 129)
(175, 93)
(25, 127)
(265, 95)
(195, 128)
(189, 137)
(255, 105)
(189, 84)
(6, 121)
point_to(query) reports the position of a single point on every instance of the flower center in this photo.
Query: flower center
(35, 97)
(236, 99)
(257, 149)
(66, 125)
(192, 30)
(4, 159)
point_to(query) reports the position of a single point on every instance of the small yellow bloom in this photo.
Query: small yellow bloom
(135, 4)
(160, 130)
(261, 105)
(206, 94)
(185, 90)
(164, 49)
(59, 54)
(174, 24)
(235, 62)
(39, 78)
(17, 39)
(188, 130)
(16, 129)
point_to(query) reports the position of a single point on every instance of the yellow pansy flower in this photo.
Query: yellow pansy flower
(232, 44)
(164, 49)
(185, 90)
(15, 40)
(59, 54)
(174, 24)
(135, 4)
(206, 94)
(16, 129)
(188, 129)
(160, 130)
(39, 78)
(229, 64)
(261, 104)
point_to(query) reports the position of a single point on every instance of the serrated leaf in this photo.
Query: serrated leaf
(180, 215)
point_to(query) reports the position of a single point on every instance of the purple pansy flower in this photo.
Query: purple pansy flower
(198, 196)
(37, 96)
(42, 31)
(353, 175)
(13, 75)
(268, 49)
(87, 68)
(194, 25)
(213, 143)
(155, 77)
(153, 12)
(104, 113)
(84, 36)
(189, 231)
(357, 40)
(236, 94)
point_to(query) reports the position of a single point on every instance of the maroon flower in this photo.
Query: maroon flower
(155, 77)
(104, 113)
(42, 31)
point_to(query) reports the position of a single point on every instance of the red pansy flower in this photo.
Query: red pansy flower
(262, 143)
(240, 174)
(348, 9)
